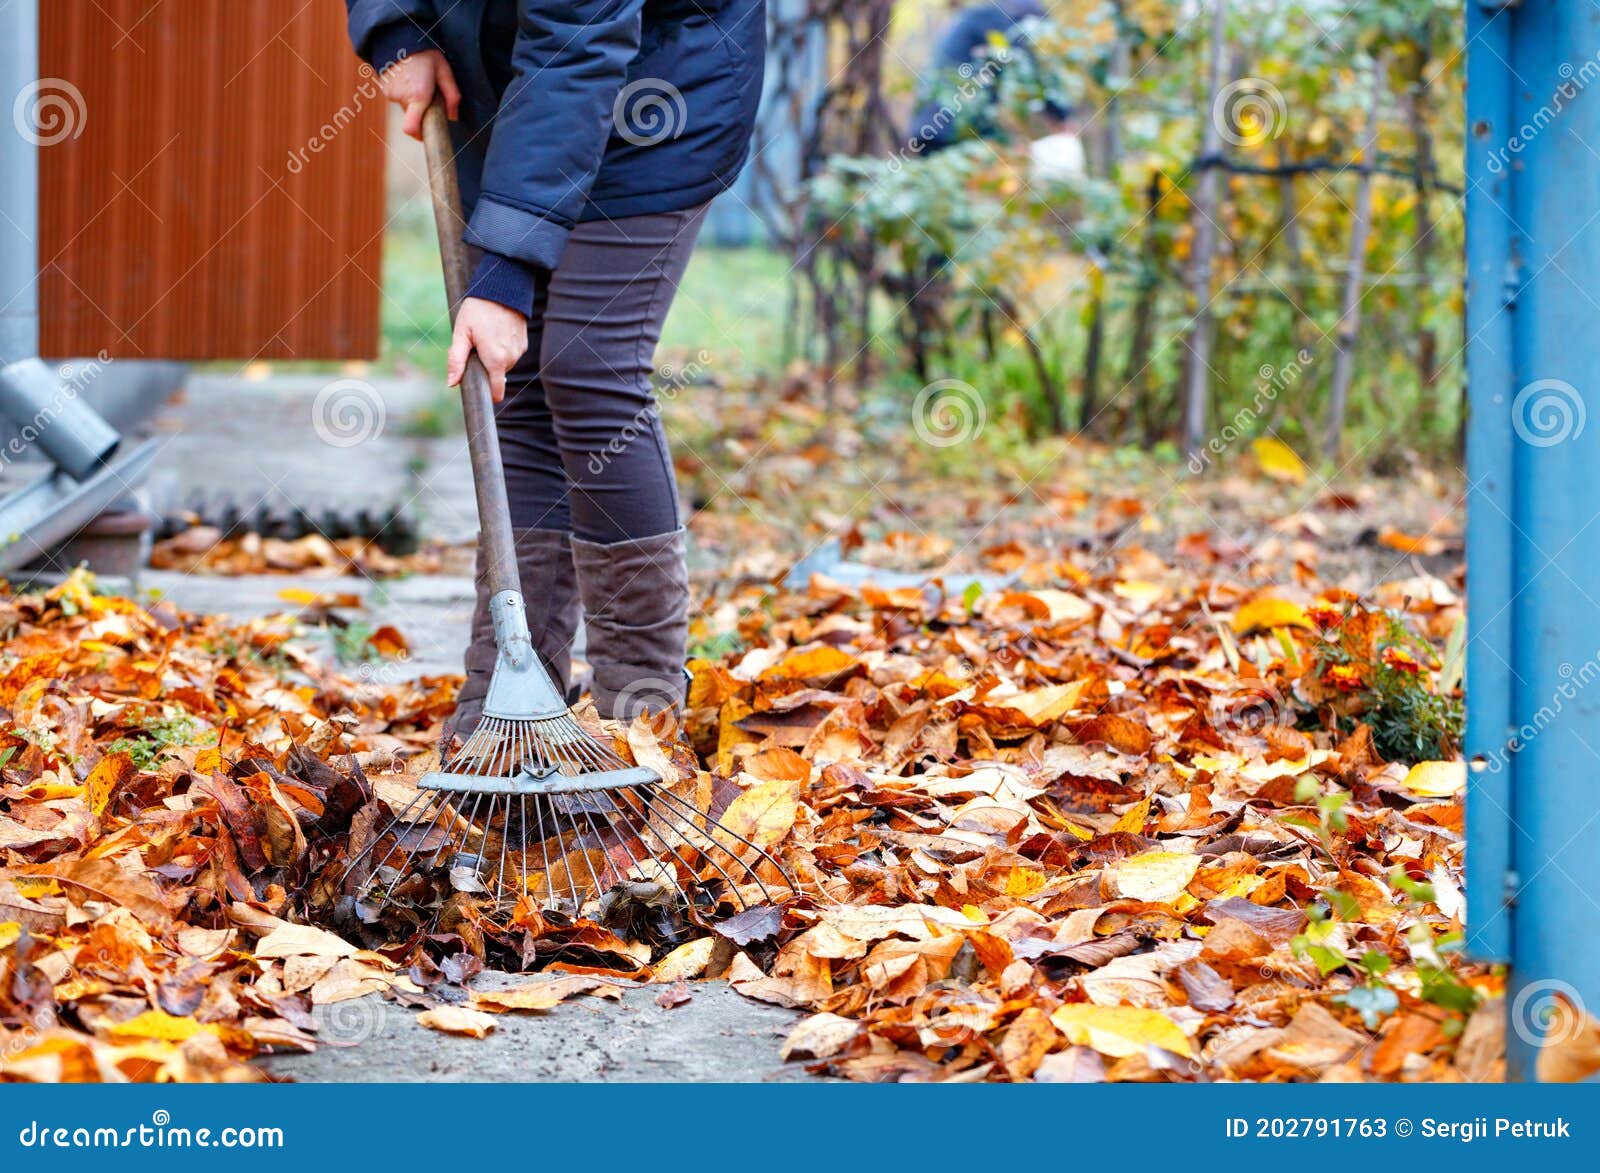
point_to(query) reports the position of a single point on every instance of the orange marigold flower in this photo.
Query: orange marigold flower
(1344, 677)
(1401, 660)
(1325, 617)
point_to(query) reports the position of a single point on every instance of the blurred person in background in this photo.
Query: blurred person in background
(960, 100)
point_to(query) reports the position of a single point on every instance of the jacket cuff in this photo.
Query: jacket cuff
(389, 43)
(517, 232)
(504, 280)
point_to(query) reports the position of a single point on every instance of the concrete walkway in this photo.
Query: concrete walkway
(715, 1037)
(316, 442)
(433, 612)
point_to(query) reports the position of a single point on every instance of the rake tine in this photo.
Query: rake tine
(733, 884)
(566, 859)
(391, 827)
(762, 853)
(544, 849)
(623, 834)
(522, 835)
(482, 866)
(472, 825)
(663, 793)
(587, 863)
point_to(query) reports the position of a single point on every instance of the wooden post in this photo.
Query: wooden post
(1349, 328)
(1198, 382)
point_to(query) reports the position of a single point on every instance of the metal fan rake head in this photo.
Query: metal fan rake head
(532, 808)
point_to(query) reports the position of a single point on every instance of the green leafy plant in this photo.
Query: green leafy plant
(157, 737)
(1367, 667)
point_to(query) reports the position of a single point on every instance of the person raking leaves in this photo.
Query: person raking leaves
(591, 136)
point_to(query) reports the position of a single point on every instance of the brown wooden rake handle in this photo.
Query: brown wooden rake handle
(477, 400)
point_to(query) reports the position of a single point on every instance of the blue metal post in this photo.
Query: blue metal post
(19, 187)
(1533, 810)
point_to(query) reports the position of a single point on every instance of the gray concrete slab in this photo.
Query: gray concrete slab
(315, 442)
(433, 612)
(715, 1037)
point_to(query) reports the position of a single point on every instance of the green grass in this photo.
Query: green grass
(732, 303)
(415, 328)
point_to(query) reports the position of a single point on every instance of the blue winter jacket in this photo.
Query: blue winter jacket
(576, 110)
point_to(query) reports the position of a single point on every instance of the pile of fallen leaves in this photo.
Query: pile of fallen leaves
(204, 549)
(1112, 824)
(1129, 828)
(162, 791)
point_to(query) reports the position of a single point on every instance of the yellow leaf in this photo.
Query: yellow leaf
(1267, 612)
(1241, 887)
(49, 791)
(1043, 705)
(157, 1024)
(729, 735)
(688, 960)
(1139, 592)
(108, 774)
(1277, 460)
(457, 1020)
(1053, 605)
(1158, 877)
(1120, 1031)
(543, 995)
(10, 931)
(819, 663)
(763, 814)
(1134, 818)
(1436, 779)
(1024, 882)
(34, 887)
(299, 596)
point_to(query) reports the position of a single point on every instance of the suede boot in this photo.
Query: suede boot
(550, 590)
(636, 604)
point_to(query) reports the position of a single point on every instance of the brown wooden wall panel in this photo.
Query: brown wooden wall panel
(188, 217)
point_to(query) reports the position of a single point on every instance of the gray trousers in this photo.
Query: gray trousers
(580, 433)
